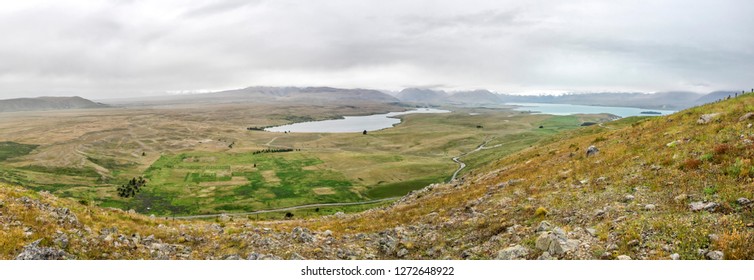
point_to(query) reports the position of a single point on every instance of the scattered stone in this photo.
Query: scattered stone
(706, 118)
(591, 231)
(340, 215)
(232, 257)
(606, 256)
(714, 255)
(743, 201)
(517, 252)
(546, 257)
(591, 151)
(61, 240)
(302, 235)
(746, 116)
(402, 252)
(674, 143)
(701, 252)
(296, 256)
(556, 242)
(699, 206)
(713, 237)
(624, 258)
(599, 213)
(633, 243)
(675, 256)
(327, 233)
(543, 226)
(681, 198)
(34, 252)
(649, 207)
(628, 198)
(28, 231)
(612, 247)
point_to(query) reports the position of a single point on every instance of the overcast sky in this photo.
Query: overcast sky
(105, 49)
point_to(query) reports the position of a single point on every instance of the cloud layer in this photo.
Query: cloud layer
(109, 49)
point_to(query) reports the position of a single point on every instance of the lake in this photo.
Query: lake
(353, 123)
(568, 109)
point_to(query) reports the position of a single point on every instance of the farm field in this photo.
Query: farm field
(204, 160)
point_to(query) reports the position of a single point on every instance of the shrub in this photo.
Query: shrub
(721, 149)
(690, 164)
(541, 212)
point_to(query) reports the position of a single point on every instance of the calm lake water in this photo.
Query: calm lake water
(353, 123)
(568, 109)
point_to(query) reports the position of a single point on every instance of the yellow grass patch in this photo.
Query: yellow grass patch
(323, 191)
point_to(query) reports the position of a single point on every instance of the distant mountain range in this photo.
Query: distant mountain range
(47, 103)
(673, 100)
(288, 95)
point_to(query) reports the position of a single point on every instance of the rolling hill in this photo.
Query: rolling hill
(47, 103)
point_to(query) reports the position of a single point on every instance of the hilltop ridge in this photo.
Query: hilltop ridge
(47, 103)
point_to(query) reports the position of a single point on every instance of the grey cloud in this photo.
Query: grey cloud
(151, 47)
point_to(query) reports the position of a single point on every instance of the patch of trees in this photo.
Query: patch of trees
(275, 151)
(258, 127)
(132, 187)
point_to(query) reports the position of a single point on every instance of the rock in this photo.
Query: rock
(302, 235)
(612, 247)
(517, 252)
(649, 207)
(592, 232)
(606, 256)
(699, 206)
(402, 252)
(633, 243)
(681, 197)
(628, 198)
(543, 241)
(340, 215)
(61, 240)
(543, 226)
(34, 252)
(624, 258)
(675, 256)
(232, 257)
(742, 200)
(327, 233)
(599, 213)
(555, 243)
(591, 151)
(701, 252)
(296, 256)
(706, 118)
(746, 116)
(546, 256)
(216, 228)
(714, 255)
(674, 143)
(713, 237)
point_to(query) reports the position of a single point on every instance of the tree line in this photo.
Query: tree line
(132, 187)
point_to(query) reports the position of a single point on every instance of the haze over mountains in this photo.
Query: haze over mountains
(661, 100)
